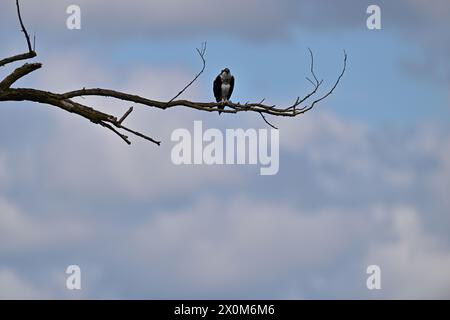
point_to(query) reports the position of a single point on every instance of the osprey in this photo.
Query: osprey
(223, 86)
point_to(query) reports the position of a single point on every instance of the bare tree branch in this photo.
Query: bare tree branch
(265, 120)
(23, 56)
(19, 73)
(65, 100)
(201, 52)
(122, 136)
(305, 109)
(57, 100)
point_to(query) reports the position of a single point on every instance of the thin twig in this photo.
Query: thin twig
(27, 36)
(125, 115)
(201, 52)
(306, 108)
(337, 81)
(122, 136)
(264, 118)
(143, 136)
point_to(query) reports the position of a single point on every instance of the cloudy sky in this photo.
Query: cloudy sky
(363, 178)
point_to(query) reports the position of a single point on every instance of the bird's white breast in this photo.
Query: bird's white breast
(225, 89)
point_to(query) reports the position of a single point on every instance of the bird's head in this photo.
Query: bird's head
(226, 70)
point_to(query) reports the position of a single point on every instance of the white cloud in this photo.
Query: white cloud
(12, 286)
(438, 9)
(414, 264)
(325, 138)
(101, 164)
(217, 249)
(244, 248)
(345, 151)
(252, 18)
(241, 245)
(20, 232)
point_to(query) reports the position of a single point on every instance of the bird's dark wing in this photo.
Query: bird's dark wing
(217, 88)
(230, 92)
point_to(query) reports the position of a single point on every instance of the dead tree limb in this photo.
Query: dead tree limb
(19, 73)
(65, 100)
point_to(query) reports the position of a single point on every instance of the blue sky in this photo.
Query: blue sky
(363, 177)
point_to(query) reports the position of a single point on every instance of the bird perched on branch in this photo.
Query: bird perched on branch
(223, 87)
